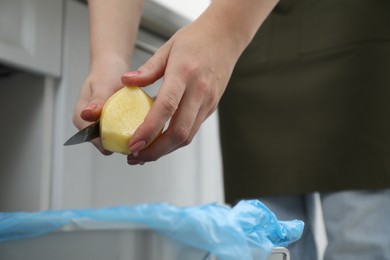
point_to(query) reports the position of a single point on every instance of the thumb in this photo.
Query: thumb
(150, 71)
(91, 112)
(93, 108)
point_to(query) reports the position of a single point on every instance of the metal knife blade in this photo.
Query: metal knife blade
(86, 134)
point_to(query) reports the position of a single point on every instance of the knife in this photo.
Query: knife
(85, 135)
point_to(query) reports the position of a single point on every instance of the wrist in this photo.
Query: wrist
(238, 20)
(110, 61)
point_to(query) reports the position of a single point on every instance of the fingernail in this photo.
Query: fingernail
(131, 74)
(138, 146)
(90, 107)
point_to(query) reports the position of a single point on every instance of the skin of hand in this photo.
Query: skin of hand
(196, 64)
(101, 83)
(113, 28)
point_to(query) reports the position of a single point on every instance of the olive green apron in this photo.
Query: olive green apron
(308, 105)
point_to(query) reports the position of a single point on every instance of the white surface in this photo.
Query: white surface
(191, 9)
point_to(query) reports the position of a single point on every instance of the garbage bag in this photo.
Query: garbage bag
(246, 230)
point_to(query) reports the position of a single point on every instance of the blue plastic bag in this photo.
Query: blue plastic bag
(246, 230)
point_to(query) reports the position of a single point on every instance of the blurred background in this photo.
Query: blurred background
(44, 59)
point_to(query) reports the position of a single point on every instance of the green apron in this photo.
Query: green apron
(308, 105)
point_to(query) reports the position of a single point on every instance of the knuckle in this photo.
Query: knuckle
(211, 111)
(152, 157)
(189, 68)
(213, 104)
(188, 141)
(203, 87)
(169, 105)
(105, 152)
(149, 65)
(182, 135)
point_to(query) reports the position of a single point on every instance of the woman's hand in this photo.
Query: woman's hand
(102, 81)
(113, 28)
(196, 64)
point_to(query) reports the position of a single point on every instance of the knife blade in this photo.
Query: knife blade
(86, 134)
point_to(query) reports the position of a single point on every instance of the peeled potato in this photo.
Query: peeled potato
(121, 115)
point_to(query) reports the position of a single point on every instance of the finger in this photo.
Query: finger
(90, 104)
(98, 144)
(163, 109)
(97, 141)
(181, 130)
(153, 152)
(94, 105)
(149, 72)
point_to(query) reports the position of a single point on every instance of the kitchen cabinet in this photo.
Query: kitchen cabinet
(30, 35)
(26, 105)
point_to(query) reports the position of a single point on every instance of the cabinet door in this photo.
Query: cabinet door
(26, 105)
(30, 35)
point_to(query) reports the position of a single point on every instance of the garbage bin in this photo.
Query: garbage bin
(131, 243)
(149, 231)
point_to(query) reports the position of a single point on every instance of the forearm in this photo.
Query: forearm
(113, 28)
(239, 20)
